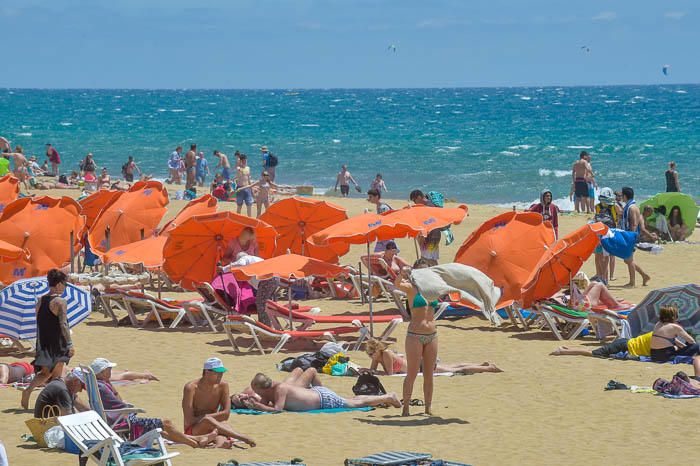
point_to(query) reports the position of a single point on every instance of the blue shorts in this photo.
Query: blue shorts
(225, 174)
(201, 178)
(329, 400)
(244, 195)
(591, 191)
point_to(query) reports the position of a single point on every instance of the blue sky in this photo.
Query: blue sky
(343, 43)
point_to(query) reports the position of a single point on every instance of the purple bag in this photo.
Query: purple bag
(677, 386)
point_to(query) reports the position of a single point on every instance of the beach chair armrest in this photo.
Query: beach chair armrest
(125, 411)
(99, 446)
(148, 438)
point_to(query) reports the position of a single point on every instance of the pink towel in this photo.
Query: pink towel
(240, 294)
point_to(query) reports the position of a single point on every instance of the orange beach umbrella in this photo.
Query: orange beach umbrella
(423, 219)
(559, 264)
(94, 203)
(130, 216)
(9, 190)
(297, 218)
(10, 253)
(43, 226)
(148, 252)
(507, 248)
(202, 205)
(195, 247)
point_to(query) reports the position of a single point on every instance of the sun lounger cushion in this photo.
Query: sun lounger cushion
(302, 315)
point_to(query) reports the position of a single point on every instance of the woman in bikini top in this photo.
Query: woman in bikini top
(421, 339)
(666, 341)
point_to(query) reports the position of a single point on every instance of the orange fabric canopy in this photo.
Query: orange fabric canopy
(297, 218)
(94, 203)
(128, 215)
(507, 248)
(10, 253)
(361, 229)
(148, 252)
(195, 247)
(9, 190)
(41, 225)
(558, 265)
(424, 219)
(202, 205)
(287, 266)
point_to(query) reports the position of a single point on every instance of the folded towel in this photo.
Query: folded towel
(313, 411)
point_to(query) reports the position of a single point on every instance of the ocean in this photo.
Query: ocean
(481, 145)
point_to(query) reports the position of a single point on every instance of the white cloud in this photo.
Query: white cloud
(605, 16)
(674, 14)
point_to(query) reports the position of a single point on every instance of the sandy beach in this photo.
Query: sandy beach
(540, 410)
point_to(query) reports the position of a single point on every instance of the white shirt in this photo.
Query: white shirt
(243, 261)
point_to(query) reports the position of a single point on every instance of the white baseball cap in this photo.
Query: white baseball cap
(78, 374)
(100, 364)
(214, 365)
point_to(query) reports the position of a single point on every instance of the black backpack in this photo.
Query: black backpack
(368, 384)
(272, 160)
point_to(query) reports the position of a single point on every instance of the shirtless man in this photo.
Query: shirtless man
(343, 179)
(590, 181)
(632, 221)
(190, 163)
(278, 396)
(206, 406)
(245, 193)
(223, 164)
(301, 378)
(579, 172)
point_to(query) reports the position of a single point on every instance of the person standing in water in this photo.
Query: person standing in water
(673, 184)
(54, 346)
(190, 165)
(343, 180)
(579, 173)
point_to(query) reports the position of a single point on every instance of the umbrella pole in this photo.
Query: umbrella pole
(362, 295)
(289, 294)
(415, 245)
(159, 286)
(72, 253)
(369, 296)
(107, 241)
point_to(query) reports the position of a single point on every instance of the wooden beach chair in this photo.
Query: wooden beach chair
(89, 426)
(259, 332)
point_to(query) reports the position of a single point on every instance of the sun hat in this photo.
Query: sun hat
(214, 365)
(78, 374)
(263, 149)
(100, 364)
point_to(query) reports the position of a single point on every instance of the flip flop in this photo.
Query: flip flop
(416, 402)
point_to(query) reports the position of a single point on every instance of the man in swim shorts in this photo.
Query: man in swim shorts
(343, 180)
(190, 166)
(244, 195)
(15, 372)
(223, 164)
(579, 173)
(284, 396)
(306, 378)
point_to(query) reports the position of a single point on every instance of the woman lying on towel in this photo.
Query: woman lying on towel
(395, 363)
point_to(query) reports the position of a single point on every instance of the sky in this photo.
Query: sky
(345, 43)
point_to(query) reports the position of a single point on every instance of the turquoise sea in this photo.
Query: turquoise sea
(495, 145)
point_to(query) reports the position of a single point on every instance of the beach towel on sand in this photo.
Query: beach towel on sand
(471, 284)
(312, 411)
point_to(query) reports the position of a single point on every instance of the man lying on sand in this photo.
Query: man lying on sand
(206, 406)
(279, 396)
(635, 347)
(299, 377)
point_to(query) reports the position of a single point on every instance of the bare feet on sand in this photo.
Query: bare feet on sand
(629, 285)
(150, 376)
(394, 400)
(645, 279)
(25, 398)
(204, 440)
(558, 351)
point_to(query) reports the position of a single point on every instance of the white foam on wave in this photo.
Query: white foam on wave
(681, 91)
(579, 147)
(612, 101)
(309, 125)
(648, 145)
(521, 147)
(336, 141)
(66, 123)
(162, 110)
(28, 135)
(178, 110)
(26, 126)
(524, 97)
(509, 153)
(272, 115)
(556, 173)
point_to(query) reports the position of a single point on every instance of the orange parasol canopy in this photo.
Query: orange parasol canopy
(297, 218)
(129, 215)
(9, 190)
(424, 219)
(10, 253)
(41, 225)
(558, 265)
(361, 229)
(507, 248)
(202, 205)
(148, 252)
(287, 266)
(195, 247)
(94, 203)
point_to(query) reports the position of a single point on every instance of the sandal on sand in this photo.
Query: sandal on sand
(416, 402)
(614, 385)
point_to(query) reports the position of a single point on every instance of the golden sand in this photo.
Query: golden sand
(541, 410)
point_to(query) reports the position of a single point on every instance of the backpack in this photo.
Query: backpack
(607, 216)
(368, 384)
(272, 160)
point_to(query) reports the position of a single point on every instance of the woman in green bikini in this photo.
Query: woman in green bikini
(421, 340)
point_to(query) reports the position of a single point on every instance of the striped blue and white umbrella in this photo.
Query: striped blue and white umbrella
(18, 306)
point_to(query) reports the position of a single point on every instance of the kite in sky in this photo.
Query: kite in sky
(392, 47)
(585, 48)
(666, 69)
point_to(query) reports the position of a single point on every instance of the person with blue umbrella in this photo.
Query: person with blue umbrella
(54, 346)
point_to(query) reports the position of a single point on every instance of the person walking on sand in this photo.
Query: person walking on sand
(206, 406)
(54, 346)
(285, 396)
(632, 221)
(421, 340)
(190, 166)
(343, 180)
(265, 186)
(223, 164)
(579, 173)
(174, 165)
(202, 170)
(54, 158)
(673, 184)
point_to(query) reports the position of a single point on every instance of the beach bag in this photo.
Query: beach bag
(331, 348)
(272, 160)
(38, 427)
(368, 384)
(337, 358)
(677, 386)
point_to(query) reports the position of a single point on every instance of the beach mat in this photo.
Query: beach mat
(264, 463)
(255, 412)
(399, 458)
